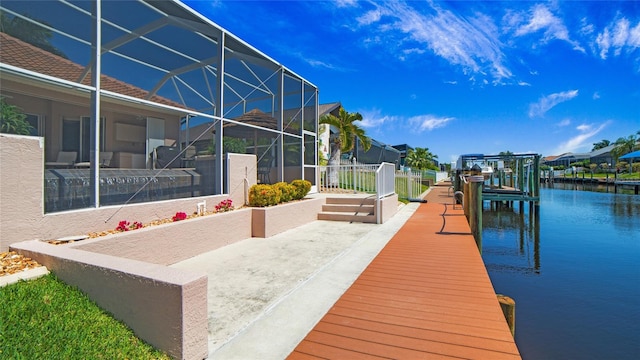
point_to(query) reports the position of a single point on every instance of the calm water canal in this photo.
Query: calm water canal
(573, 270)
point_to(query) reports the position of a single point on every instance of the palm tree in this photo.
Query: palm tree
(509, 159)
(347, 131)
(624, 145)
(601, 144)
(421, 158)
(29, 32)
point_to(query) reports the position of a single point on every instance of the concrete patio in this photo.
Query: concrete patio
(281, 296)
(266, 294)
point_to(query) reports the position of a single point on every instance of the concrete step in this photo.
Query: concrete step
(349, 208)
(350, 217)
(351, 200)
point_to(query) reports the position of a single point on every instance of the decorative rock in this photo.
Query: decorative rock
(15, 267)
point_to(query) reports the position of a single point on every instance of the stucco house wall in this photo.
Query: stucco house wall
(22, 214)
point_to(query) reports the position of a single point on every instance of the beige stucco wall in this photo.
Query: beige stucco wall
(169, 243)
(388, 207)
(242, 173)
(272, 220)
(21, 188)
(166, 307)
(21, 199)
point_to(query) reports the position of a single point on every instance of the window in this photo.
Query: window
(76, 136)
(37, 125)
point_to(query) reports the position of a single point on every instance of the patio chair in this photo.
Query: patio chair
(264, 170)
(458, 200)
(105, 160)
(189, 156)
(65, 159)
(166, 157)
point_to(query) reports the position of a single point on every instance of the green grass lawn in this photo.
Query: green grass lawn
(47, 319)
(621, 176)
(403, 195)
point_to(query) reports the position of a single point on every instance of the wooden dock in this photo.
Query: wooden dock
(613, 182)
(427, 295)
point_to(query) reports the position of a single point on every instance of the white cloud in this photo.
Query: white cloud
(586, 28)
(596, 96)
(451, 82)
(580, 142)
(346, 3)
(604, 42)
(523, 83)
(369, 17)
(319, 64)
(413, 51)
(540, 19)
(469, 42)
(428, 122)
(584, 127)
(410, 52)
(545, 103)
(618, 36)
(634, 37)
(563, 123)
(375, 119)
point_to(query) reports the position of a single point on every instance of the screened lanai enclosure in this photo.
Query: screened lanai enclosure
(141, 101)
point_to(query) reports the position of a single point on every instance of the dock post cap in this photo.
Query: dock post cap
(476, 178)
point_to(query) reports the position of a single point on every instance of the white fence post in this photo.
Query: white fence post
(353, 180)
(410, 185)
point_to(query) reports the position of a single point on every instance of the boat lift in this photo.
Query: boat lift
(512, 177)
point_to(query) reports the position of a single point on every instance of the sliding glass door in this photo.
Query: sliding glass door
(76, 136)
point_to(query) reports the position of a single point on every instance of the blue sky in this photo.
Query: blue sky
(464, 76)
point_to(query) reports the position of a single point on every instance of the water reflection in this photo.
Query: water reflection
(590, 186)
(598, 205)
(515, 226)
(572, 268)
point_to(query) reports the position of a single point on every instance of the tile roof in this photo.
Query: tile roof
(327, 108)
(21, 54)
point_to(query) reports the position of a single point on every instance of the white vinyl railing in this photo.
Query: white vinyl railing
(385, 175)
(356, 178)
(386, 181)
(436, 176)
(360, 178)
(408, 184)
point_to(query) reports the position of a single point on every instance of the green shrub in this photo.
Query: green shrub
(302, 188)
(267, 195)
(264, 195)
(288, 191)
(13, 120)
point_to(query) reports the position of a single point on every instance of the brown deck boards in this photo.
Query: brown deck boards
(427, 295)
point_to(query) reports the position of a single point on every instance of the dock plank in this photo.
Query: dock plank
(426, 295)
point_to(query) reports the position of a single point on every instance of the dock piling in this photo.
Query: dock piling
(466, 199)
(508, 306)
(475, 208)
